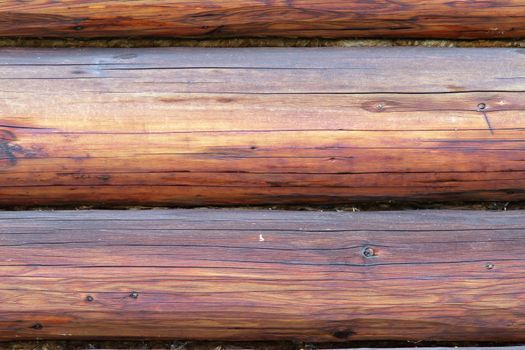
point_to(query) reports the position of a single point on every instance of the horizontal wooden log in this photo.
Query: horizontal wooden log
(263, 275)
(291, 18)
(190, 127)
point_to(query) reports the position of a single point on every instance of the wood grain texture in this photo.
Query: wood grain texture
(191, 127)
(458, 19)
(263, 275)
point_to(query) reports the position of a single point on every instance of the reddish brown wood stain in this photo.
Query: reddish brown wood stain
(236, 18)
(191, 127)
(263, 275)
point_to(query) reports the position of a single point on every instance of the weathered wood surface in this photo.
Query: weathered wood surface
(235, 18)
(192, 127)
(263, 275)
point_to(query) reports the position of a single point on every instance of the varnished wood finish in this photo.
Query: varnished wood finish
(460, 19)
(190, 127)
(263, 275)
